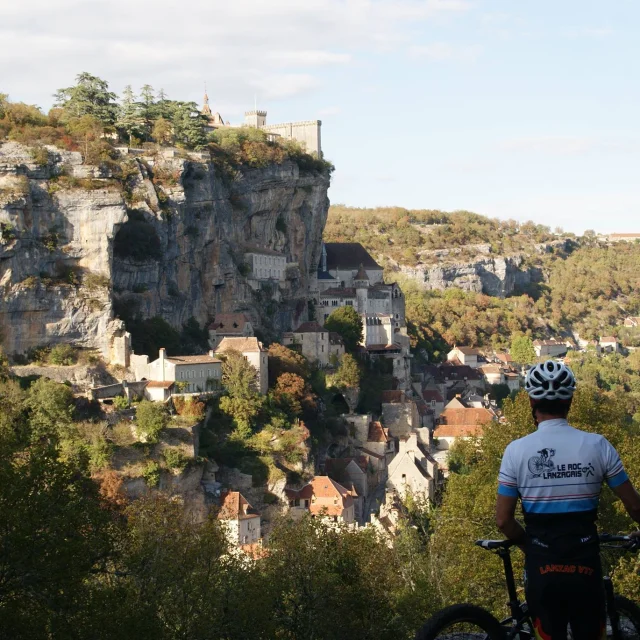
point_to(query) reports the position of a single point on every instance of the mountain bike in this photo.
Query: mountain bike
(468, 621)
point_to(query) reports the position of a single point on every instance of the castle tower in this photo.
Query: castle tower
(206, 109)
(361, 284)
(257, 119)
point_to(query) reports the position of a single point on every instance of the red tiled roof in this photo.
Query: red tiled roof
(229, 323)
(310, 327)
(235, 506)
(240, 344)
(504, 357)
(323, 487)
(608, 339)
(157, 384)
(432, 394)
(467, 416)
(468, 351)
(458, 431)
(377, 433)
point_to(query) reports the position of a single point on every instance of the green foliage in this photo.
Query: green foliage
(175, 458)
(151, 419)
(348, 374)
(284, 360)
(151, 473)
(90, 96)
(63, 355)
(402, 233)
(120, 403)
(40, 155)
(346, 321)
(522, 351)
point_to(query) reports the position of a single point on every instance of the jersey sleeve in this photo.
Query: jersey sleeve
(614, 472)
(507, 478)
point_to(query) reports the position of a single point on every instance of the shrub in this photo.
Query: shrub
(175, 458)
(120, 403)
(63, 355)
(151, 474)
(121, 435)
(40, 155)
(96, 281)
(151, 419)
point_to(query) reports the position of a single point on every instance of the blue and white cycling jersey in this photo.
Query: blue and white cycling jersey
(558, 472)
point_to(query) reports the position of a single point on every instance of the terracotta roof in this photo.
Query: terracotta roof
(504, 357)
(323, 488)
(348, 255)
(181, 360)
(624, 235)
(310, 327)
(467, 416)
(229, 323)
(608, 339)
(157, 384)
(377, 433)
(491, 368)
(548, 343)
(234, 506)
(432, 394)
(468, 351)
(460, 372)
(458, 431)
(383, 347)
(391, 396)
(239, 344)
(338, 292)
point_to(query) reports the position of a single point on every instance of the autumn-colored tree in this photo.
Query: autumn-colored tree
(285, 360)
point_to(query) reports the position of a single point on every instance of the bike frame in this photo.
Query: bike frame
(520, 612)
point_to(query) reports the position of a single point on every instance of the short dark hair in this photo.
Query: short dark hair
(559, 408)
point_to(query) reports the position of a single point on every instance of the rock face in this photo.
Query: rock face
(494, 276)
(69, 252)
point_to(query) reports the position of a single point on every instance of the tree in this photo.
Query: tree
(151, 419)
(188, 125)
(243, 402)
(285, 360)
(147, 108)
(88, 130)
(89, 97)
(51, 410)
(162, 131)
(522, 350)
(130, 120)
(291, 390)
(348, 374)
(348, 324)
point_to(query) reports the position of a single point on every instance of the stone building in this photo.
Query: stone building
(241, 521)
(466, 356)
(308, 133)
(265, 264)
(229, 325)
(550, 348)
(255, 354)
(312, 341)
(196, 373)
(323, 498)
(413, 470)
(399, 413)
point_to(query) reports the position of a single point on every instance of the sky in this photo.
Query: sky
(522, 109)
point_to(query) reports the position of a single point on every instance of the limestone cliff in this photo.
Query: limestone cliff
(493, 275)
(71, 247)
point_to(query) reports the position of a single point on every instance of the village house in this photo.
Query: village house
(323, 498)
(413, 470)
(609, 344)
(512, 380)
(311, 340)
(191, 374)
(399, 413)
(632, 321)
(434, 401)
(241, 521)
(460, 422)
(336, 347)
(254, 353)
(466, 356)
(353, 474)
(229, 325)
(549, 348)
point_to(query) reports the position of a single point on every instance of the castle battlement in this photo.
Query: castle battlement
(301, 123)
(256, 112)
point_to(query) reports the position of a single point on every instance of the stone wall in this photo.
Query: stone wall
(307, 133)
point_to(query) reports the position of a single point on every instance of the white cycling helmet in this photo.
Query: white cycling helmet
(550, 380)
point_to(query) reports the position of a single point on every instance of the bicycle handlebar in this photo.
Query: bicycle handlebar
(632, 543)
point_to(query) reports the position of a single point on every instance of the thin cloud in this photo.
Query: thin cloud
(569, 145)
(440, 51)
(237, 47)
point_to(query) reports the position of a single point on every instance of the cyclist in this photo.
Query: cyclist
(563, 577)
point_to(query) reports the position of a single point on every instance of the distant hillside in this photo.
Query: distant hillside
(475, 280)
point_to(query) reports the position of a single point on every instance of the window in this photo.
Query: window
(334, 303)
(349, 302)
(404, 478)
(322, 348)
